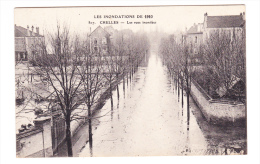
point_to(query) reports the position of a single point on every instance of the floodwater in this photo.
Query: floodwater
(148, 120)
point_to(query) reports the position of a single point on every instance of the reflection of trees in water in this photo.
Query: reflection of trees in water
(222, 140)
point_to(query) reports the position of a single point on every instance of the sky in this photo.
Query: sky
(168, 18)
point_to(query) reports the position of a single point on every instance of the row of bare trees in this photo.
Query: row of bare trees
(75, 77)
(175, 54)
(223, 61)
(224, 53)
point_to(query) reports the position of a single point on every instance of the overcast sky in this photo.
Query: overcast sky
(168, 19)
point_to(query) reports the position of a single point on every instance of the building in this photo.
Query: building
(198, 33)
(223, 23)
(26, 42)
(100, 41)
(194, 40)
(232, 26)
(195, 37)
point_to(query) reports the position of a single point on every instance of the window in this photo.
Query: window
(196, 39)
(95, 41)
(104, 40)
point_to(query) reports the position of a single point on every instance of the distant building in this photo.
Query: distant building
(100, 41)
(194, 40)
(198, 33)
(26, 42)
(224, 23)
(195, 37)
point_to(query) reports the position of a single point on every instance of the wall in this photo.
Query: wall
(218, 111)
(208, 31)
(32, 44)
(98, 34)
(29, 144)
(35, 142)
(28, 45)
(20, 44)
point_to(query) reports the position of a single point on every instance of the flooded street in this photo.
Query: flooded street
(149, 120)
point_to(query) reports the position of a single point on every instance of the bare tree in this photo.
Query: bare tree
(110, 71)
(91, 73)
(56, 65)
(177, 59)
(224, 53)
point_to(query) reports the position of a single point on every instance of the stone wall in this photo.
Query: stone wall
(29, 142)
(218, 111)
(35, 142)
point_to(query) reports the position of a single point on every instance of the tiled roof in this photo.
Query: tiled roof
(22, 32)
(225, 21)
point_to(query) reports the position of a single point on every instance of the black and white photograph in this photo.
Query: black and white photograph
(126, 81)
(130, 81)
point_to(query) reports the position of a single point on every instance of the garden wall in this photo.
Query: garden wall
(35, 142)
(218, 111)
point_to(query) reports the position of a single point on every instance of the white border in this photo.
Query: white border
(7, 135)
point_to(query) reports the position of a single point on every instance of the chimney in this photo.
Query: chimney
(243, 15)
(205, 20)
(37, 30)
(32, 31)
(28, 31)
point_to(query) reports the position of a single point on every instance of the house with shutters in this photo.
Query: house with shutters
(27, 41)
(100, 41)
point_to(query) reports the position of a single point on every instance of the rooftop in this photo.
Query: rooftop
(225, 21)
(22, 32)
(98, 30)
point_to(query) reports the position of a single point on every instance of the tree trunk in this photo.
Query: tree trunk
(178, 87)
(90, 131)
(124, 84)
(130, 76)
(175, 80)
(111, 96)
(132, 72)
(68, 137)
(172, 79)
(182, 92)
(188, 103)
(117, 89)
